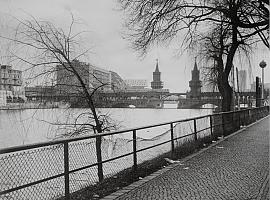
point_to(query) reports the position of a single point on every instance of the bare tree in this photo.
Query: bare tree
(53, 51)
(154, 20)
(50, 50)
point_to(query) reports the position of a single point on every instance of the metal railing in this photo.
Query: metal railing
(54, 169)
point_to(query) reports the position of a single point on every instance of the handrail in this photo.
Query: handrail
(214, 122)
(62, 141)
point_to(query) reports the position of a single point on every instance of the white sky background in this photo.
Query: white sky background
(109, 50)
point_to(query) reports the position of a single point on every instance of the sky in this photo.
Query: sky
(104, 24)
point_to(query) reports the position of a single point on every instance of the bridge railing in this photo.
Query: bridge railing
(57, 169)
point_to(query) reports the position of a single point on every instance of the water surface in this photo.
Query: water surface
(18, 127)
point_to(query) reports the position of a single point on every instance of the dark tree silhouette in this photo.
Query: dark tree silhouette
(245, 21)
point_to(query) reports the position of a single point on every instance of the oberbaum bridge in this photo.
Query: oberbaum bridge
(157, 96)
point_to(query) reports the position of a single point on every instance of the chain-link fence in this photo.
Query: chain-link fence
(56, 169)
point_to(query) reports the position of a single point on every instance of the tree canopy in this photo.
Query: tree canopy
(152, 20)
(219, 28)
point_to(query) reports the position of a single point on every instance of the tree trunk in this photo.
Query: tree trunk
(98, 127)
(227, 97)
(99, 159)
(225, 91)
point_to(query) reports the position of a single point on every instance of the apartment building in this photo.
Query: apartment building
(9, 77)
(10, 84)
(93, 77)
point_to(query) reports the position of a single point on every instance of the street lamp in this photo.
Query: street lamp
(262, 65)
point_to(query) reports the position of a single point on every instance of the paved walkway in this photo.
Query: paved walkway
(235, 168)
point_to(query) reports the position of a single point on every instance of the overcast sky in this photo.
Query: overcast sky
(104, 22)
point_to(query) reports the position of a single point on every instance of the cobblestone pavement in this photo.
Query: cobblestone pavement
(236, 168)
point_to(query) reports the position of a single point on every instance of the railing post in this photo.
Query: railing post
(134, 154)
(233, 124)
(172, 140)
(195, 130)
(66, 170)
(99, 158)
(223, 124)
(239, 119)
(211, 126)
(249, 117)
(244, 123)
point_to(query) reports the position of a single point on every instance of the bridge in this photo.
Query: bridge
(157, 98)
(144, 99)
(153, 99)
(215, 98)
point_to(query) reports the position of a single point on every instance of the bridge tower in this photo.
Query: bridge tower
(156, 83)
(195, 84)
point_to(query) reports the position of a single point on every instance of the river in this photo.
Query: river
(18, 127)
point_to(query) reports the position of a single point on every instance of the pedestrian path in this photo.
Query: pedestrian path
(235, 168)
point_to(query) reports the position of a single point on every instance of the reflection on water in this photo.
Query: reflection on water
(19, 127)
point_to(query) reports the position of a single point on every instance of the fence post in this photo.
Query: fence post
(134, 154)
(244, 123)
(211, 126)
(99, 158)
(66, 170)
(223, 124)
(249, 117)
(239, 120)
(233, 124)
(172, 140)
(195, 130)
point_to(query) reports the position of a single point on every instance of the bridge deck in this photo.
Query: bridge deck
(234, 168)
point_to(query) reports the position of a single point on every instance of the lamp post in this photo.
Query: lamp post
(262, 65)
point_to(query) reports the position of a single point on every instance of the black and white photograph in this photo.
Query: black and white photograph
(134, 99)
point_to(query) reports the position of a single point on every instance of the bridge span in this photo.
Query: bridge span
(158, 99)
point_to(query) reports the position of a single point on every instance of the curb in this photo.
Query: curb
(167, 168)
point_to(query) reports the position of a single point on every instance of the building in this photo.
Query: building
(11, 89)
(136, 83)
(157, 83)
(195, 84)
(242, 80)
(9, 78)
(117, 83)
(5, 97)
(92, 76)
(101, 78)
(66, 81)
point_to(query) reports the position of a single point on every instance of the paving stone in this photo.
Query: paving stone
(238, 170)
